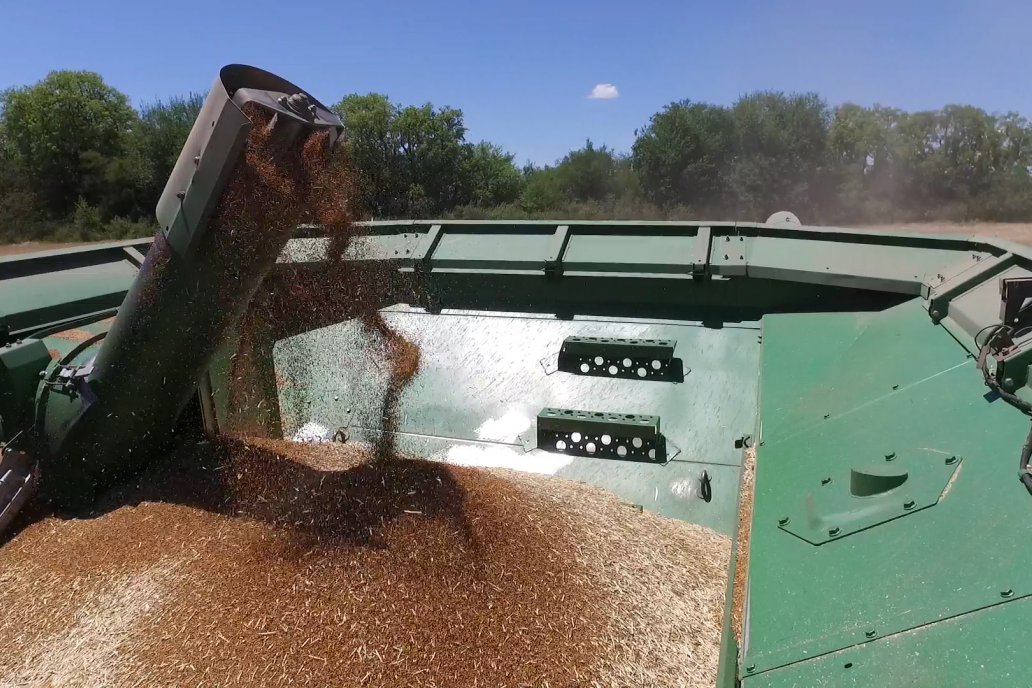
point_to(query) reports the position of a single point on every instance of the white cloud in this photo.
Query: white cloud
(604, 92)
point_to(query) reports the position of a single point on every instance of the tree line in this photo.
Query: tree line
(78, 162)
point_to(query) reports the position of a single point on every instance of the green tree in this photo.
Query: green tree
(54, 126)
(489, 176)
(682, 157)
(164, 127)
(589, 174)
(779, 152)
(414, 161)
(862, 163)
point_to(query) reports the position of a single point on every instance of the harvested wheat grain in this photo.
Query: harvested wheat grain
(324, 565)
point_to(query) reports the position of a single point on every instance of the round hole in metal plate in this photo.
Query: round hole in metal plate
(590, 447)
(576, 437)
(637, 442)
(560, 445)
(607, 440)
(621, 450)
(652, 453)
(599, 360)
(584, 367)
(642, 372)
(613, 370)
(656, 364)
(626, 363)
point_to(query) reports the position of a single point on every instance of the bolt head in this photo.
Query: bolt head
(1007, 593)
(909, 504)
(870, 634)
(834, 531)
(1008, 382)
(783, 521)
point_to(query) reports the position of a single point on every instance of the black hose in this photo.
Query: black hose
(1026, 452)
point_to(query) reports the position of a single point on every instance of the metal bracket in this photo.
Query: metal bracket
(633, 359)
(594, 434)
(73, 381)
(700, 253)
(844, 502)
(1016, 302)
(556, 248)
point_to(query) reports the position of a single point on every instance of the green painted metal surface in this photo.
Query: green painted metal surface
(893, 593)
(984, 648)
(963, 554)
(20, 365)
(484, 378)
(35, 300)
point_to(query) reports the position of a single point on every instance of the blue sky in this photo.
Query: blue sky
(522, 71)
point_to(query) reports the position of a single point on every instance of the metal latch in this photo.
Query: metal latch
(1016, 303)
(73, 381)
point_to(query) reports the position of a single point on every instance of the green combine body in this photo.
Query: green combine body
(887, 542)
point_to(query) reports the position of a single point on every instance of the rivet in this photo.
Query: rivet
(827, 416)
(895, 386)
(1007, 593)
(1008, 382)
(870, 634)
(890, 456)
(783, 521)
(951, 460)
(936, 314)
(833, 531)
(751, 668)
(825, 481)
(909, 504)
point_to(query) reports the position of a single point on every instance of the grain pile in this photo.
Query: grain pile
(259, 562)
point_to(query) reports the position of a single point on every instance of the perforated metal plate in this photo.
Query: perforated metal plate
(603, 435)
(635, 359)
